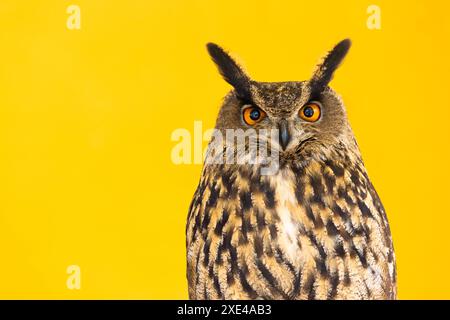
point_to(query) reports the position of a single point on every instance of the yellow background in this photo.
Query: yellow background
(86, 118)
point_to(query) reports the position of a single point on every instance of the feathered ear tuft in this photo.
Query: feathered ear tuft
(230, 71)
(324, 71)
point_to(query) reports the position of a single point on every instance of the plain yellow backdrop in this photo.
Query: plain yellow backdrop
(86, 117)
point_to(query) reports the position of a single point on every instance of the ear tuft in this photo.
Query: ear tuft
(230, 70)
(324, 71)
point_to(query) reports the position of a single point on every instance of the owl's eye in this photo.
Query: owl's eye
(310, 112)
(253, 115)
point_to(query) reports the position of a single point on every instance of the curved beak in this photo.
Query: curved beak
(284, 134)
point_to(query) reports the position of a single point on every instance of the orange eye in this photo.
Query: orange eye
(253, 115)
(310, 112)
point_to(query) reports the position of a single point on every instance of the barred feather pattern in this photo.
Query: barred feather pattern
(314, 230)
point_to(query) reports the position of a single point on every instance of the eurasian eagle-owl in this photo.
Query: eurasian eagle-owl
(315, 228)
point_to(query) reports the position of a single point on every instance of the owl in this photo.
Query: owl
(314, 228)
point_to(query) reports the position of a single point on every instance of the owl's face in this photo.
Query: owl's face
(309, 116)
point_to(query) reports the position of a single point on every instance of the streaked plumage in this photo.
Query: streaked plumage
(314, 230)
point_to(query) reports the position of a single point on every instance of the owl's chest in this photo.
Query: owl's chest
(288, 236)
(312, 222)
(287, 217)
(332, 234)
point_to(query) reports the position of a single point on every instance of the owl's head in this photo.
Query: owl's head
(309, 116)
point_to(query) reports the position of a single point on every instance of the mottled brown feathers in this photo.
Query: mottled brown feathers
(240, 248)
(314, 229)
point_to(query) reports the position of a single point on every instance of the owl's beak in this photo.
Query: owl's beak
(284, 134)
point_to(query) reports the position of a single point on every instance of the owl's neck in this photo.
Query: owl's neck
(340, 161)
